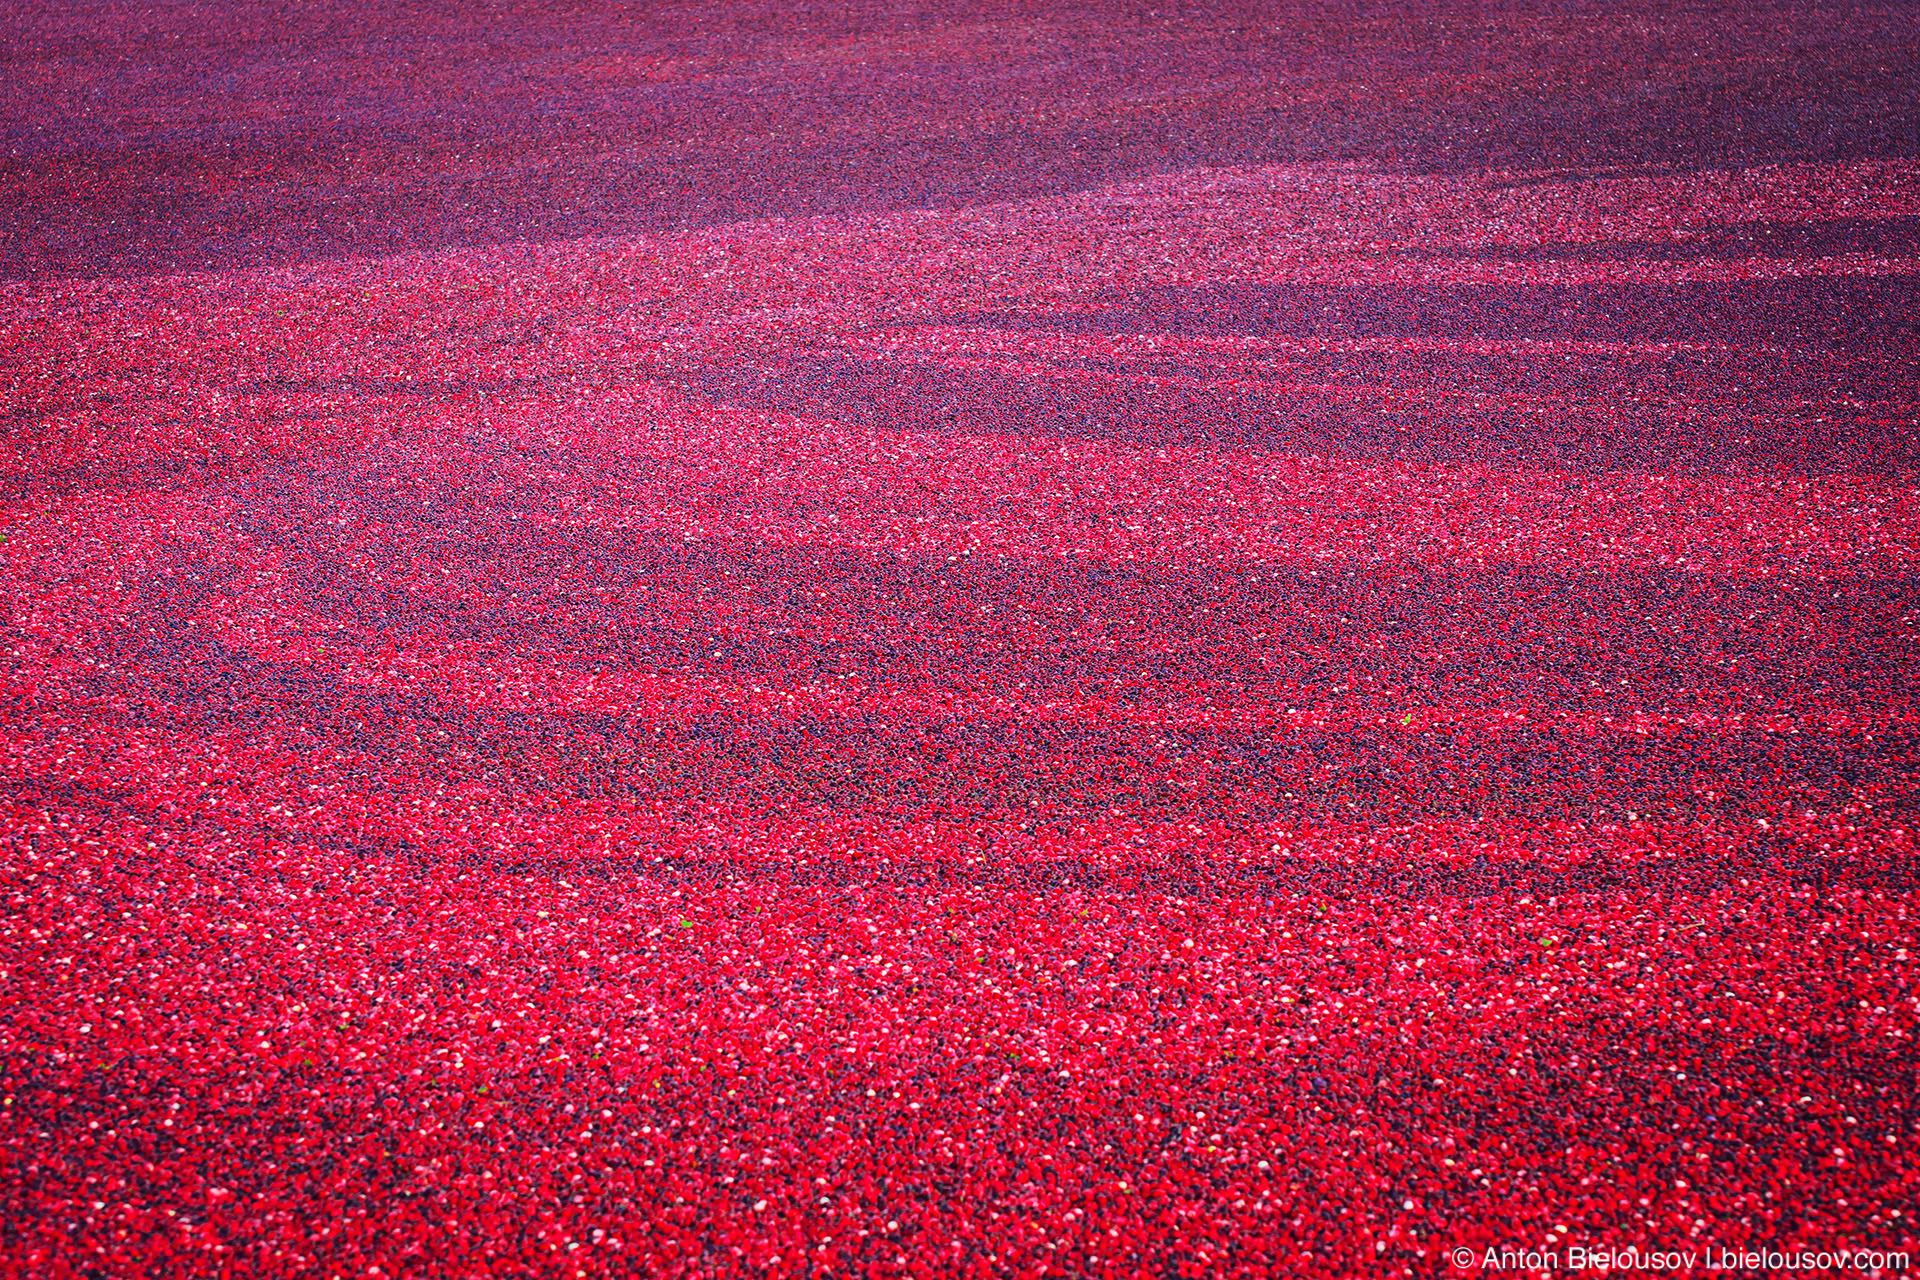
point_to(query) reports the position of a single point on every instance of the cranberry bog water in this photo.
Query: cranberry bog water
(1010, 641)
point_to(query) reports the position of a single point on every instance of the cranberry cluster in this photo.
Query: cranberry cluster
(1251, 721)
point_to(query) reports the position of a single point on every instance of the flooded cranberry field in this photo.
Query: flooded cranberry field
(1003, 642)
